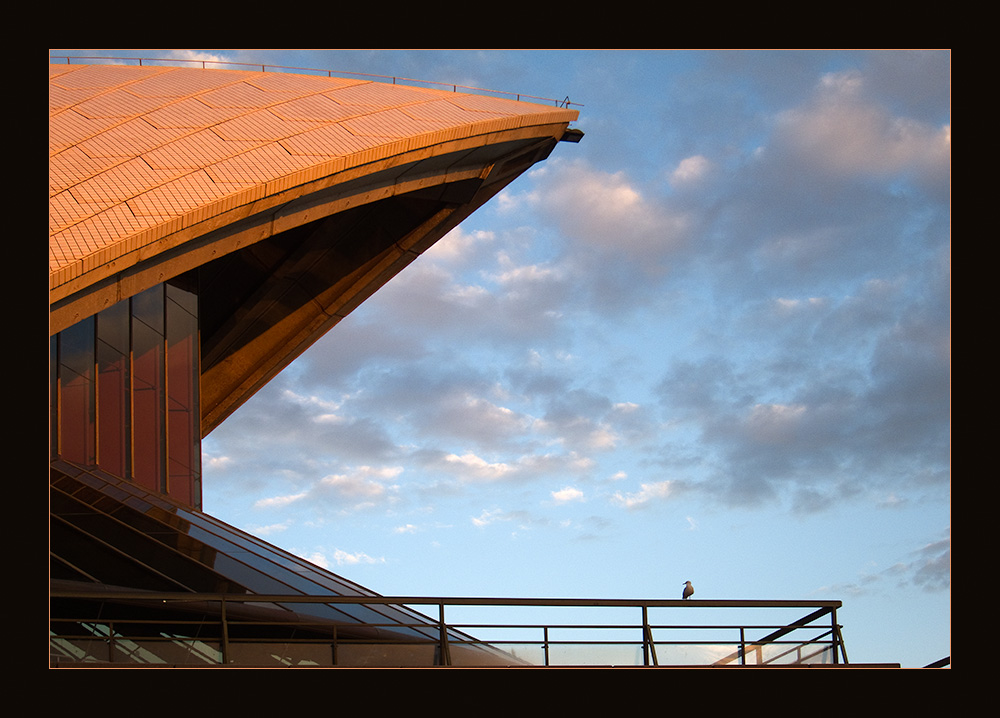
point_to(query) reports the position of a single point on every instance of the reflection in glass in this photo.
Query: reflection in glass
(183, 428)
(114, 421)
(76, 393)
(147, 392)
(125, 394)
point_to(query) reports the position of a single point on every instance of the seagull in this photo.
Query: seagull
(688, 590)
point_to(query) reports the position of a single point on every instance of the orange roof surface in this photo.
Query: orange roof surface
(138, 153)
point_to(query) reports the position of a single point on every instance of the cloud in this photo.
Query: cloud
(215, 463)
(461, 247)
(928, 569)
(279, 501)
(808, 394)
(844, 131)
(492, 516)
(359, 488)
(344, 558)
(690, 170)
(620, 241)
(775, 423)
(567, 494)
(269, 530)
(339, 557)
(314, 557)
(475, 467)
(647, 493)
(931, 568)
(197, 55)
(365, 485)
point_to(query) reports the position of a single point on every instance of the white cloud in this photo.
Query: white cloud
(690, 170)
(646, 493)
(458, 244)
(326, 406)
(479, 468)
(846, 133)
(488, 517)
(314, 557)
(512, 275)
(343, 558)
(270, 529)
(279, 501)
(609, 212)
(215, 463)
(567, 494)
(364, 482)
(340, 558)
(198, 56)
(602, 438)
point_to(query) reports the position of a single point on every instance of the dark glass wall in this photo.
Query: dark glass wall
(126, 392)
(114, 427)
(183, 410)
(77, 406)
(148, 388)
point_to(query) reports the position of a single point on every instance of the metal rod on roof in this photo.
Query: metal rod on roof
(329, 73)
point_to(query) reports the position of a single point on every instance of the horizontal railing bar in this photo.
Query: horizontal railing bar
(211, 641)
(652, 627)
(456, 626)
(447, 601)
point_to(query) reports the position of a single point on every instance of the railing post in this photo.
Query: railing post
(225, 632)
(445, 649)
(111, 641)
(838, 638)
(743, 646)
(648, 647)
(645, 638)
(545, 644)
(833, 635)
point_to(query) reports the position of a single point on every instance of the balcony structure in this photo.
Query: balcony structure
(141, 580)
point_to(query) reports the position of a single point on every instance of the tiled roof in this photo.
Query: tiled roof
(137, 153)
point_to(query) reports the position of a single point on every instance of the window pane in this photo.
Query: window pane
(54, 396)
(183, 431)
(113, 406)
(147, 307)
(148, 408)
(113, 419)
(77, 432)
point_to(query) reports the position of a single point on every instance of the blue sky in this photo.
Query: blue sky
(711, 342)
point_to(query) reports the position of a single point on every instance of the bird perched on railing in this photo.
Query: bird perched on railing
(688, 590)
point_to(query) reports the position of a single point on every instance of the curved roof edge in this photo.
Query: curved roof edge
(288, 199)
(220, 146)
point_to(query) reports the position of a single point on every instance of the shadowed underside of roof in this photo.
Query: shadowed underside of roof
(291, 198)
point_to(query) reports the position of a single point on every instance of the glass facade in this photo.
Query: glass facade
(109, 532)
(125, 392)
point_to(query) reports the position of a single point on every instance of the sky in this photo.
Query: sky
(710, 342)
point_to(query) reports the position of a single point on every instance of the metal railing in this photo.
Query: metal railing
(329, 73)
(533, 632)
